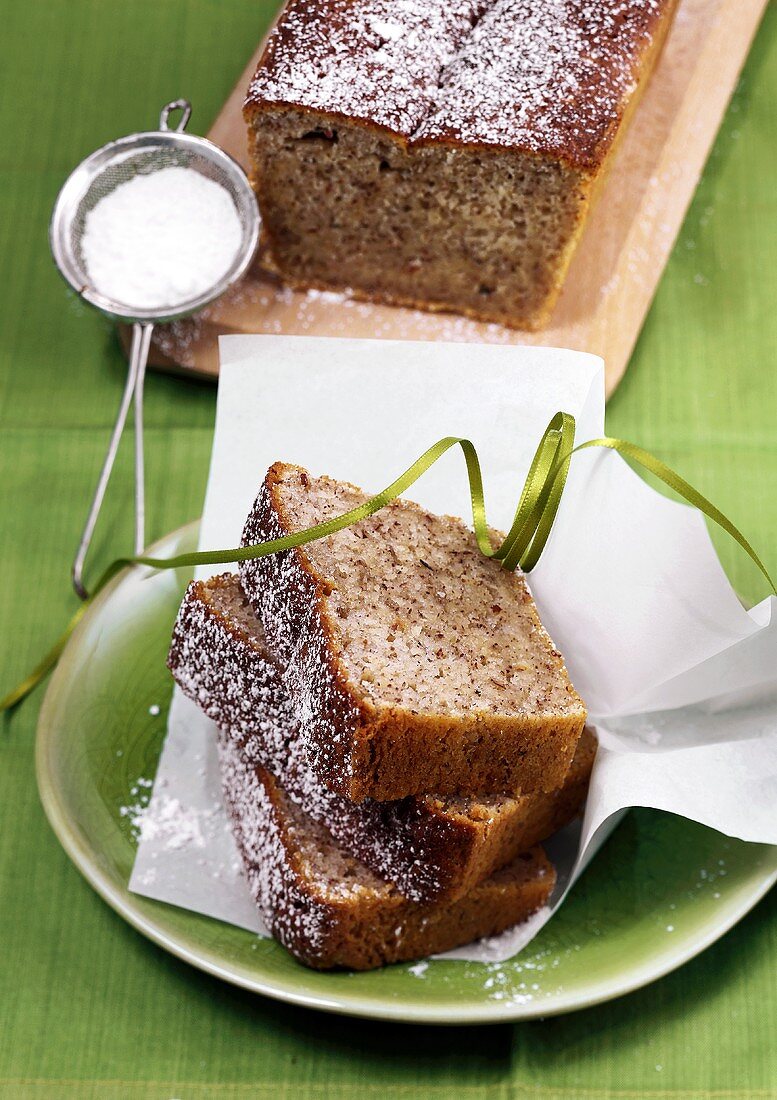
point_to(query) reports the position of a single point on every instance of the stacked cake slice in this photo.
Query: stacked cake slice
(397, 732)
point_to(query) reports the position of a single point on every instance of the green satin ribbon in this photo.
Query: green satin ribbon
(522, 546)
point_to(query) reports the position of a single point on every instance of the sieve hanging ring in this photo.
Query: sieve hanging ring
(182, 105)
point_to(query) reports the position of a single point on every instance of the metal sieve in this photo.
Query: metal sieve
(91, 181)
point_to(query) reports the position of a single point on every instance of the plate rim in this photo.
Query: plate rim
(121, 899)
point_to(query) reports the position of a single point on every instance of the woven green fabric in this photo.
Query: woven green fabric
(88, 1008)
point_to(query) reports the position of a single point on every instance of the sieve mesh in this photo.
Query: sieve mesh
(120, 162)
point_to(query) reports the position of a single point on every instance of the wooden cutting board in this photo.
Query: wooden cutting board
(621, 256)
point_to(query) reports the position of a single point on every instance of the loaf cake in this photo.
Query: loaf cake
(442, 153)
(329, 910)
(430, 847)
(413, 662)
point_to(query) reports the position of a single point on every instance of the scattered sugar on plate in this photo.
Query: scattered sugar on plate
(177, 825)
(166, 819)
(161, 239)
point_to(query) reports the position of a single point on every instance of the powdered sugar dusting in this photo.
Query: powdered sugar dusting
(134, 812)
(550, 77)
(167, 820)
(275, 309)
(547, 77)
(379, 59)
(176, 824)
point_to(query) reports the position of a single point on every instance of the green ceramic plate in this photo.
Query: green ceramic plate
(660, 891)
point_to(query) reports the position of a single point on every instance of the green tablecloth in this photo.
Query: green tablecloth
(88, 1008)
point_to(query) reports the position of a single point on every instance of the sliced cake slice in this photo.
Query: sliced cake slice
(329, 910)
(415, 664)
(430, 847)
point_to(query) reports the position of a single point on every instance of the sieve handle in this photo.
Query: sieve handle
(141, 340)
(182, 105)
(139, 353)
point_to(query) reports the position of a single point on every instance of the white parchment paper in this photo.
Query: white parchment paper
(680, 680)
